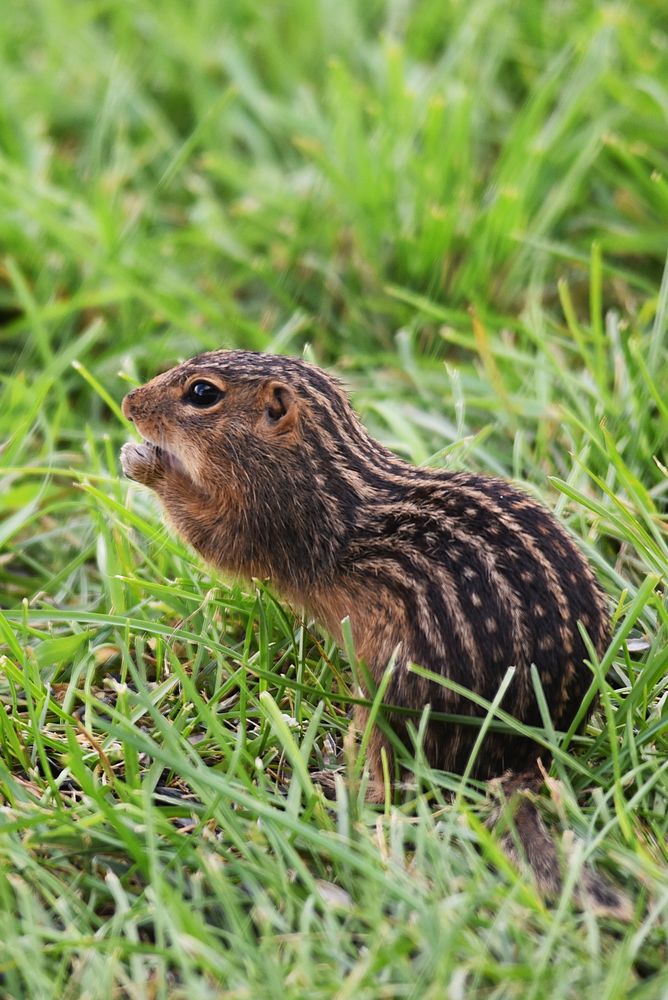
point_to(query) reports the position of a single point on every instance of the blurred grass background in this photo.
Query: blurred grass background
(463, 209)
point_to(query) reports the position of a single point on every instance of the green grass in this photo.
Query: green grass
(460, 207)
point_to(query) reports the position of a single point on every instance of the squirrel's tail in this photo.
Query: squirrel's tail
(527, 842)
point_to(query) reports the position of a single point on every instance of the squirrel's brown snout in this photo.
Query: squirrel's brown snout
(126, 405)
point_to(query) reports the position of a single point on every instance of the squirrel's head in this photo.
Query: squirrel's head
(270, 444)
(228, 407)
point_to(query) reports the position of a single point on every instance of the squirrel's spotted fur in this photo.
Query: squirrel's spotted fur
(463, 574)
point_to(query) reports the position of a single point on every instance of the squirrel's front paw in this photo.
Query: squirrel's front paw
(142, 462)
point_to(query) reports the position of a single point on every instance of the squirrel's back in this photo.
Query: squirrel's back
(486, 579)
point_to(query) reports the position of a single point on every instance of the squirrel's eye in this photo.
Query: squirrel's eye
(203, 394)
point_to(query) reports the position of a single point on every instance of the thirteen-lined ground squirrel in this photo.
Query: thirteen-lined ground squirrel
(263, 466)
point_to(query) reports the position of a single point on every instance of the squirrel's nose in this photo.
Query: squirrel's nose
(126, 405)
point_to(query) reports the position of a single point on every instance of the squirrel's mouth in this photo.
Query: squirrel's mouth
(168, 459)
(172, 454)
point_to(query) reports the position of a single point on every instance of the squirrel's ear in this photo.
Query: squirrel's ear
(280, 406)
